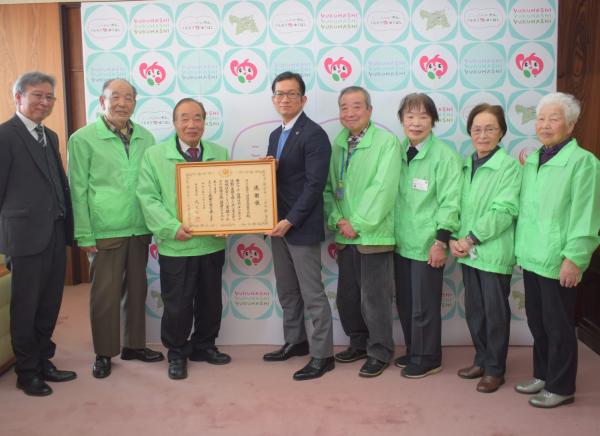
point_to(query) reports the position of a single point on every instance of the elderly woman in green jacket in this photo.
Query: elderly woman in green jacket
(557, 233)
(485, 243)
(426, 214)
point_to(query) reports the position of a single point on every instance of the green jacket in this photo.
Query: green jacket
(370, 183)
(428, 197)
(489, 207)
(157, 192)
(559, 212)
(103, 182)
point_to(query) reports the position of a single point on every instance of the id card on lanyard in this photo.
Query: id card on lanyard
(339, 189)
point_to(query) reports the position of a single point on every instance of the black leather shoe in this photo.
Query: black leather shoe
(372, 367)
(210, 355)
(102, 367)
(34, 386)
(315, 368)
(143, 354)
(287, 351)
(402, 361)
(52, 374)
(350, 355)
(178, 369)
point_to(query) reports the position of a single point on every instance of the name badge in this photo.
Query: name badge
(420, 184)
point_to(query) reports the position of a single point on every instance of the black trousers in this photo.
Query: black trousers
(37, 284)
(488, 317)
(191, 293)
(550, 312)
(419, 300)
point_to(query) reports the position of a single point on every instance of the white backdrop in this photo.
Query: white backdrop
(226, 53)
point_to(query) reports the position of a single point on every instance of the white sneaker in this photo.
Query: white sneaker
(547, 400)
(531, 386)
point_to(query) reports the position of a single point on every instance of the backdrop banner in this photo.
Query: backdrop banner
(226, 53)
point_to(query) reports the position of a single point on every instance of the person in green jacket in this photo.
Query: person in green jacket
(485, 243)
(359, 204)
(556, 235)
(427, 205)
(190, 266)
(104, 162)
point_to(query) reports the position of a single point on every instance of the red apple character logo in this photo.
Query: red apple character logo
(524, 153)
(435, 67)
(339, 70)
(250, 254)
(154, 74)
(245, 71)
(154, 251)
(531, 65)
(332, 250)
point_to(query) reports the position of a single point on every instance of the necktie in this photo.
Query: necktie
(40, 135)
(193, 152)
(282, 138)
(411, 153)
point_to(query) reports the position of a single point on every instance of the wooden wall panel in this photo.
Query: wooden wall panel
(75, 98)
(579, 74)
(31, 39)
(579, 65)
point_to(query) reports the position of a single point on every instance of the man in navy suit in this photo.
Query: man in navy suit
(36, 224)
(302, 150)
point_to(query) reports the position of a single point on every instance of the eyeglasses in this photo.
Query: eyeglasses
(39, 96)
(488, 131)
(292, 95)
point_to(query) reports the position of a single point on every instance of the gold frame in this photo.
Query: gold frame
(205, 173)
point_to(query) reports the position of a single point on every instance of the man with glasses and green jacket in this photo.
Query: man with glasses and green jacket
(104, 163)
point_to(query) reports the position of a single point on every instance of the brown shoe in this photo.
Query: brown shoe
(489, 384)
(470, 372)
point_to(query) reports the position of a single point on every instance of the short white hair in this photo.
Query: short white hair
(569, 104)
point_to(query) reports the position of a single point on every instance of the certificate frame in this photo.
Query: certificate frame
(227, 197)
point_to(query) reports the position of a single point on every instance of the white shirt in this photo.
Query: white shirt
(420, 145)
(289, 125)
(185, 147)
(31, 125)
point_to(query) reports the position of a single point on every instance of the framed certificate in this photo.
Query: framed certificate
(227, 197)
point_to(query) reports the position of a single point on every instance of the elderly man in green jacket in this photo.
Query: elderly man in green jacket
(190, 266)
(104, 162)
(359, 201)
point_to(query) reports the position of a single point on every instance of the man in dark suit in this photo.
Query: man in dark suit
(36, 224)
(302, 150)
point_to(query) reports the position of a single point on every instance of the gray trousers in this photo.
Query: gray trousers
(419, 300)
(118, 273)
(364, 300)
(299, 286)
(488, 317)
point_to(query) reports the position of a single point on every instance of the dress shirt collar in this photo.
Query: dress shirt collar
(289, 125)
(185, 147)
(29, 124)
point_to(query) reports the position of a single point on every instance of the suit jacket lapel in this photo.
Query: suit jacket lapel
(31, 144)
(272, 149)
(292, 139)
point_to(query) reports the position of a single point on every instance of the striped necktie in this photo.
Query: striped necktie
(40, 135)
